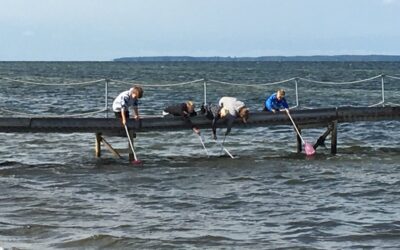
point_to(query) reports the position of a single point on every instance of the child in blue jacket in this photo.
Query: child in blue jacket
(276, 101)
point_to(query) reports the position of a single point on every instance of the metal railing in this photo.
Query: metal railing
(108, 82)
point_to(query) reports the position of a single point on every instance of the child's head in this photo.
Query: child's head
(223, 112)
(137, 92)
(244, 114)
(190, 106)
(280, 93)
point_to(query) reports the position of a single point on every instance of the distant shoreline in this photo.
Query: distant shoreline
(335, 58)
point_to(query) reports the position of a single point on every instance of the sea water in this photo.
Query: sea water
(56, 195)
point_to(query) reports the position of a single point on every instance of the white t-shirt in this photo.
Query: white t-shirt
(232, 104)
(124, 100)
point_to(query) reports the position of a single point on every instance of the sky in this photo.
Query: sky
(101, 30)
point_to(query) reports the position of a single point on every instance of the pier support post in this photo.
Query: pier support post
(322, 138)
(299, 142)
(98, 145)
(334, 138)
(100, 139)
(110, 148)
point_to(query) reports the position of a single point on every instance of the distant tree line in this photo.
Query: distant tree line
(337, 58)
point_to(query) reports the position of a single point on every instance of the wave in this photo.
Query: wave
(114, 242)
(389, 235)
(363, 193)
(101, 241)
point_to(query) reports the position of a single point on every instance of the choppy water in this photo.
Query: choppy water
(57, 195)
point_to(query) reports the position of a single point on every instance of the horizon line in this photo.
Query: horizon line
(204, 57)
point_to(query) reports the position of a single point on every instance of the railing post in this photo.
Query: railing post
(383, 89)
(297, 92)
(334, 138)
(205, 91)
(106, 97)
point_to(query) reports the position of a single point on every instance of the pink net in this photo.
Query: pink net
(309, 149)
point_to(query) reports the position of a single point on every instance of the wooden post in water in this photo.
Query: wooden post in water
(299, 142)
(334, 138)
(322, 138)
(98, 144)
(110, 148)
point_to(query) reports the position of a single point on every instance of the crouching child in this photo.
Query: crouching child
(185, 110)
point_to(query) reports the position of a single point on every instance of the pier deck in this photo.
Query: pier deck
(326, 117)
(303, 119)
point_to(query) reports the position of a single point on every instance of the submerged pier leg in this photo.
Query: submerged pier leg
(110, 148)
(322, 138)
(334, 138)
(98, 144)
(299, 142)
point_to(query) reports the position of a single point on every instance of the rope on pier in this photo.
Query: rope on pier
(53, 116)
(159, 85)
(393, 77)
(200, 80)
(340, 83)
(52, 84)
(253, 85)
(377, 104)
(204, 81)
(393, 104)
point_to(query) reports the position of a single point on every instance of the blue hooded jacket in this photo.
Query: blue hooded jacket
(273, 103)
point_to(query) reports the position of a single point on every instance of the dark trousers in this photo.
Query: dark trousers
(118, 115)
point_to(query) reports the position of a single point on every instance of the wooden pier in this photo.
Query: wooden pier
(312, 118)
